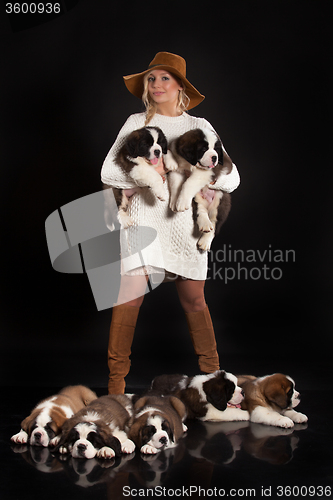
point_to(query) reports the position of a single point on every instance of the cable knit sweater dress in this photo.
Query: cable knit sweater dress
(175, 235)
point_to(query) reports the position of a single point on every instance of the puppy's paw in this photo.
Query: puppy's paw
(204, 224)
(285, 422)
(105, 452)
(159, 193)
(55, 440)
(126, 222)
(183, 204)
(128, 446)
(172, 204)
(20, 438)
(147, 449)
(63, 450)
(170, 164)
(205, 241)
(299, 418)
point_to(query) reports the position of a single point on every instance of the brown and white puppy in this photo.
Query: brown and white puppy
(158, 423)
(141, 153)
(212, 397)
(100, 429)
(270, 400)
(202, 159)
(43, 426)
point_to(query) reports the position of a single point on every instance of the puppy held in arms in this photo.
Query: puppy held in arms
(141, 153)
(201, 161)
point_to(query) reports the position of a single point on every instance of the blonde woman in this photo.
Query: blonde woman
(167, 94)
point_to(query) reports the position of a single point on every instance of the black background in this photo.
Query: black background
(265, 68)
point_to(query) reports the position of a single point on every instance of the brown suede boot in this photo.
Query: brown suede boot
(122, 328)
(203, 338)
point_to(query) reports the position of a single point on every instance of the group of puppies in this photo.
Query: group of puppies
(195, 160)
(77, 422)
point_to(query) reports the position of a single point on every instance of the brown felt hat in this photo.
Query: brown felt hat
(175, 65)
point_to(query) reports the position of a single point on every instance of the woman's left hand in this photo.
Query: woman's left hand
(161, 168)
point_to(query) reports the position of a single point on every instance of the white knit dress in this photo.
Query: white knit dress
(167, 241)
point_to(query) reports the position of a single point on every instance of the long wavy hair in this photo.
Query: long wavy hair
(150, 105)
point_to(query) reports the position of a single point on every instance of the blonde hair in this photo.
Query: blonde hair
(150, 105)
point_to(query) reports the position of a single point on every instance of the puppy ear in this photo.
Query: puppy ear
(132, 144)
(179, 406)
(140, 403)
(216, 395)
(59, 417)
(276, 394)
(27, 424)
(135, 433)
(162, 141)
(187, 146)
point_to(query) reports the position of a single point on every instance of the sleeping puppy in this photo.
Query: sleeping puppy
(270, 400)
(43, 426)
(213, 397)
(158, 423)
(141, 153)
(202, 159)
(99, 430)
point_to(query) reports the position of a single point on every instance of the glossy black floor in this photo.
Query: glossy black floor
(213, 460)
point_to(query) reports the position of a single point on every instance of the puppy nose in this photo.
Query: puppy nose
(157, 153)
(214, 158)
(37, 436)
(163, 440)
(82, 447)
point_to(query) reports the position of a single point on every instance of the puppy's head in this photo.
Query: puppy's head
(84, 439)
(222, 390)
(42, 426)
(156, 431)
(201, 148)
(280, 390)
(147, 142)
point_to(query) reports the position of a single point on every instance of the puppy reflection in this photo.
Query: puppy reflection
(273, 445)
(220, 443)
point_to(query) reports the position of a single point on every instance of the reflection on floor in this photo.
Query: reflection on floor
(213, 459)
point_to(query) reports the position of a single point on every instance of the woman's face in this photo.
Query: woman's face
(163, 88)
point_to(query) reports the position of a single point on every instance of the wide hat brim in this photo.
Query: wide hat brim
(134, 84)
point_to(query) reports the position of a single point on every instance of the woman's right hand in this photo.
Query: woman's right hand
(130, 192)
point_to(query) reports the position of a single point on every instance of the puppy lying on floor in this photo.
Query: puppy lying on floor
(141, 153)
(43, 426)
(100, 429)
(213, 397)
(201, 158)
(270, 400)
(158, 423)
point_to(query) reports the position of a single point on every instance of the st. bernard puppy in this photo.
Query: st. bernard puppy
(202, 159)
(141, 153)
(100, 429)
(43, 426)
(270, 400)
(212, 397)
(158, 423)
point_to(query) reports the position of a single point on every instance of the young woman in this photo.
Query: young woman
(166, 93)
